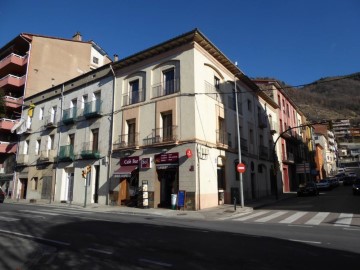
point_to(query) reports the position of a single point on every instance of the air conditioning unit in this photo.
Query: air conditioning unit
(2, 170)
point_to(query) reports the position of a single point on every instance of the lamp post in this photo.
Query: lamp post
(241, 192)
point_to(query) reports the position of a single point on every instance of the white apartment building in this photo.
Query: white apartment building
(69, 129)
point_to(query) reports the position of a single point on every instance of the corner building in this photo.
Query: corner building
(175, 127)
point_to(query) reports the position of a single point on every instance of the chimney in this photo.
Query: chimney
(116, 57)
(77, 36)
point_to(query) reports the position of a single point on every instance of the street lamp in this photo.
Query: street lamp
(241, 190)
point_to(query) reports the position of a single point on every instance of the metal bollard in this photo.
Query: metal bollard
(234, 203)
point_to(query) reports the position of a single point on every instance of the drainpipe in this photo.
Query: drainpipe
(111, 136)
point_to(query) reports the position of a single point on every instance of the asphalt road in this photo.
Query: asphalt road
(43, 237)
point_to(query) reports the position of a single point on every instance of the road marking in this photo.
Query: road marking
(272, 216)
(293, 217)
(251, 216)
(100, 251)
(39, 212)
(65, 211)
(317, 219)
(305, 241)
(8, 219)
(344, 220)
(35, 237)
(155, 262)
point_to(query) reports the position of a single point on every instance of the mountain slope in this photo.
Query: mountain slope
(329, 98)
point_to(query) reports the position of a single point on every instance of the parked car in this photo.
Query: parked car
(323, 184)
(356, 187)
(308, 188)
(2, 195)
(334, 182)
(348, 180)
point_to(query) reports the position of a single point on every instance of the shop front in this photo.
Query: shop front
(167, 168)
(127, 178)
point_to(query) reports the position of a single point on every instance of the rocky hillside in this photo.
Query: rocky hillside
(329, 98)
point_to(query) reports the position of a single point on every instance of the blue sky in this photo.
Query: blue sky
(296, 42)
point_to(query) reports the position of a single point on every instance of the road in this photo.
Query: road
(51, 237)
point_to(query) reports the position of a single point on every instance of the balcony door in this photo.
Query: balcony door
(134, 92)
(95, 141)
(167, 126)
(169, 81)
(131, 132)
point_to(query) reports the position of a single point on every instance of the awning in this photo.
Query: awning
(125, 171)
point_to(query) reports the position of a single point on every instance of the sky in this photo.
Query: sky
(297, 42)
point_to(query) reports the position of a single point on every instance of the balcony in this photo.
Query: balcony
(47, 156)
(14, 64)
(263, 152)
(12, 81)
(8, 148)
(166, 88)
(50, 121)
(133, 97)
(127, 141)
(69, 116)
(288, 158)
(66, 153)
(22, 159)
(215, 93)
(89, 151)
(7, 124)
(223, 139)
(166, 135)
(92, 109)
(14, 103)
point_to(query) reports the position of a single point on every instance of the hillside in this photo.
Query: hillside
(329, 98)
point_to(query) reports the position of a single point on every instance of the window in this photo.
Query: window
(95, 141)
(34, 183)
(53, 114)
(84, 99)
(50, 142)
(217, 83)
(71, 139)
(131, 131)
(134, 91)
(169, 81)
(249, 105)
(95, 60)
(167, 126)
(41, 113)
(251, 136)
(37, 147)
(26, 147)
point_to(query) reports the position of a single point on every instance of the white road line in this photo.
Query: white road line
(251, 216)
(100, 251)
(39, 212)
(8, 219)
(34, 237)
(305, 241)
(317, 219)
(344, 220)
(272, 216)
(293, 217)
(155, 262)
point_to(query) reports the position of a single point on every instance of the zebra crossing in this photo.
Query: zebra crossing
(39, 214)
(300, 218)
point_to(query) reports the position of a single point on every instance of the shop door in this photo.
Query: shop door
(124, 191)
(23, 188)
(70, 187)
(168, 185)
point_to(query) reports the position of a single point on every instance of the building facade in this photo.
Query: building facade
(30, 64)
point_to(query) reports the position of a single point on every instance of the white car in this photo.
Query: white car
(323, 184)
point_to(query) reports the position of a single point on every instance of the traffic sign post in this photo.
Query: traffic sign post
(241, 168)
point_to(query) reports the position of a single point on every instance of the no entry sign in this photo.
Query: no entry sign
(241, 167)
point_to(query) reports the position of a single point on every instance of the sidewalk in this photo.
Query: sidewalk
(220, 212)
